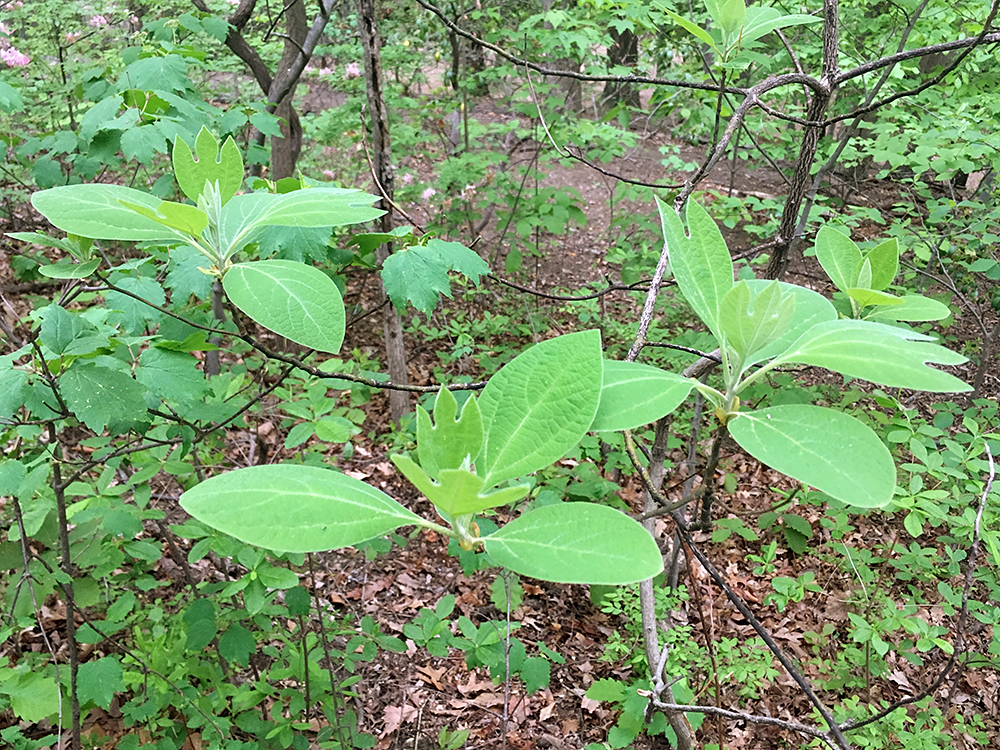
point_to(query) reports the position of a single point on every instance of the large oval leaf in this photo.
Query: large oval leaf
(295, 508)
(882, 354)
(577, 543)
(97, 211)
(913, 308)
(539, 406)
(827, 449)
(294, 300)
(634, 394)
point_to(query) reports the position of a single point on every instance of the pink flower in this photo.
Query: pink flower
(14, 58)
(72, 36)
(3, 28)
(329, 174)
(353, 70)
(407, 178)
(429, 193)
(325, 72)
(97, 21)
(468, 191)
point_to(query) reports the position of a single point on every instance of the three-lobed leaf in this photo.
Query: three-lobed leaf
(223, 167)
(457, 492)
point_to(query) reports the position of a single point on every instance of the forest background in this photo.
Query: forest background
(521, 150)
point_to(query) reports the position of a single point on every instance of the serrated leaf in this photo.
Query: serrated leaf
(201, 625)
(609, 691)
(33, 696)
(539, 406)
(457, 492)
(132, 314)
(878, 353)
(449, 442)
(826, 449)
(97, 211)
(840, 258)
(295, 508)
(699, 260)
(913, 308)
(296, 301)
(633, 394)
(10, 99)
(415, 275)
(299, 244)
(576, 543)
(99, 680)
(213, 165)
(236, 645)
(157, 72)
(183, 275)
(536, 673)
(368, 242)
(457, 257)
(101, 397)
(143, 143)
(171, 375)
(60, 328)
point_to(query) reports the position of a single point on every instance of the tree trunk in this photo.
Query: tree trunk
(395, 351)
(624, 51)
(285, 150)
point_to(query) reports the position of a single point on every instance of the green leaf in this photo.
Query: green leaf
(368, 242)
(99, 680)
(143, 143)
(131, 313)
(699, 260)
(839, 257)
(536, 673)
(810, 308)
(67, 270)
(157, 72)
(10, 99)
(236, 645)
(609, 691)
(295, 508)
(879, 353)
(99, 397)
(884, 259)
(826, 449)
(540, 405)
(634, 394)
(457, 492)
(97, 211)
(190, 220)
(866, 296)
(201, 626)
(752, 322)
(763, 20)
(450, 442)
(577, 543)
(33, 696)
(171, 375)
(244, 217)
(732, 15)
(691, 28)
(415, 275)
(457, 257)
(60, 329)
(913, 308)
(213, 165)
(296, 301)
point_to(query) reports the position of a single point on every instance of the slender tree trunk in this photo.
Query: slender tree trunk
(624, 51)
(285, 150)
(395, 350)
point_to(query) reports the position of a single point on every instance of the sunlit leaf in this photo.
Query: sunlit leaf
(635, 394)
